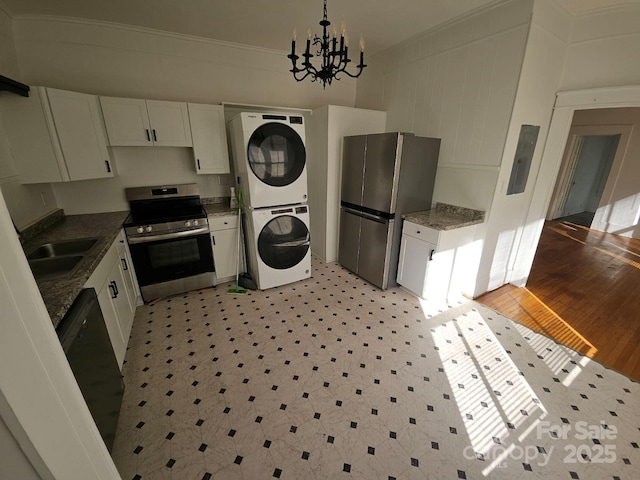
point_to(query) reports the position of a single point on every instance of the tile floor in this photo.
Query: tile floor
(332, 378)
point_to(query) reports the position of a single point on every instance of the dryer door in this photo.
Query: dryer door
(276, 154)
(283, 242)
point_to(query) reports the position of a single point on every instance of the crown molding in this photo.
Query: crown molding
(143, 30)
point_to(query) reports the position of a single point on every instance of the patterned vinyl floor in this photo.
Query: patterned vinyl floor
(332, 378)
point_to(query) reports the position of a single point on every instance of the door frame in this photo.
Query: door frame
(566, 104)
(614, 173)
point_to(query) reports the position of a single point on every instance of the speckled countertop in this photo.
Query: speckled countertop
(446, 217)
(218, 207)
(220, 210)
(59, 292)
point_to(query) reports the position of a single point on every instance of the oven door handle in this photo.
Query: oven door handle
(168, 236)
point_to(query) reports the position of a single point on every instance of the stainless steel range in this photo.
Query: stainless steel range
(169, 239)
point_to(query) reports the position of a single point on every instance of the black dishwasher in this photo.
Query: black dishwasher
(85, 340)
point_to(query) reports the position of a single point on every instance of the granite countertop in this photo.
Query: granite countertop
(219, 210)
(59, 292)
(218, 206)
(446, 217)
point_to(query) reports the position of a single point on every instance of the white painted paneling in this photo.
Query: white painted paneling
(452, 186)
(511, 227)
(602, 47)
(136, 166)
(116, 60)
(457, 83)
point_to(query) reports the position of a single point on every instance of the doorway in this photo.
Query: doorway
(587, 172)
(591, 164)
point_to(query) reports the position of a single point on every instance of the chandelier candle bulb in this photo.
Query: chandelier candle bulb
(361, 43)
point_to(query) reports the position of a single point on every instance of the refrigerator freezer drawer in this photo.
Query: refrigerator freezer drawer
(375, 243)
(365, 246)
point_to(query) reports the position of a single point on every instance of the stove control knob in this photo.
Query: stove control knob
(140, 230)
(149, 228)
(195, 223)
(187, 223)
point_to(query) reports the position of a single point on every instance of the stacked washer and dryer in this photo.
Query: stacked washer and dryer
(270, 162)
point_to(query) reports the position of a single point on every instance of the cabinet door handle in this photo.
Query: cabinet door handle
(431, 254)
(124, 264)
(213, 239)
(114, 289)
(198, 160)
(108, 166)
(148, 136)
(155, 139)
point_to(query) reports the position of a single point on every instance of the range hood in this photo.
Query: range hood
(8, 85)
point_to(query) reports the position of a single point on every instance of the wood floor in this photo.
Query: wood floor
(583, 291)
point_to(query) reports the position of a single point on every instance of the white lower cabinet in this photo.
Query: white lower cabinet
(414, 262)
(114, 281)
(438, 264)
(224, 237)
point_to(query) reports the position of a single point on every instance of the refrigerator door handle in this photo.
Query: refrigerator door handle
(368, 216)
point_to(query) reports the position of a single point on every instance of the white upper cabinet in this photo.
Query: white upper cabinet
(127, 121)
(56, 136)
(209, 136)
(132, 122)
(169, 123)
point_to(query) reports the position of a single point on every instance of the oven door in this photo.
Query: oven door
(167, 257)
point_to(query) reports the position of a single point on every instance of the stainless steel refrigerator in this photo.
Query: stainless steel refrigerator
(383, 176)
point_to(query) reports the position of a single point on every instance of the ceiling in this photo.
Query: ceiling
(270, 23)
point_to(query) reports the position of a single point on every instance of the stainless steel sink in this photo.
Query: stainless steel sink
(54, 266)
(63, 248)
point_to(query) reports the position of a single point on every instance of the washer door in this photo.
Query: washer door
(276, 154)
(283, 242)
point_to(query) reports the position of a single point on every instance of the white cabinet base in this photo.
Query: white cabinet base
(444, 270)
(224, 236)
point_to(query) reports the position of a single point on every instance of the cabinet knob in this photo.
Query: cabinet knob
(418, 232)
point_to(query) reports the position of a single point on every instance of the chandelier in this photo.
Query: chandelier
(333, 53)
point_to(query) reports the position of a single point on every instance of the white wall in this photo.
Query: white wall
(457, 83)
(137, 166)
(116, 60)
(328, 126)
(26, 203)
(511, 235)
(603, 49)
(599, 53)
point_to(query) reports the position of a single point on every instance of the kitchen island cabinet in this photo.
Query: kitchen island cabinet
(133, 122)
(56, 136)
